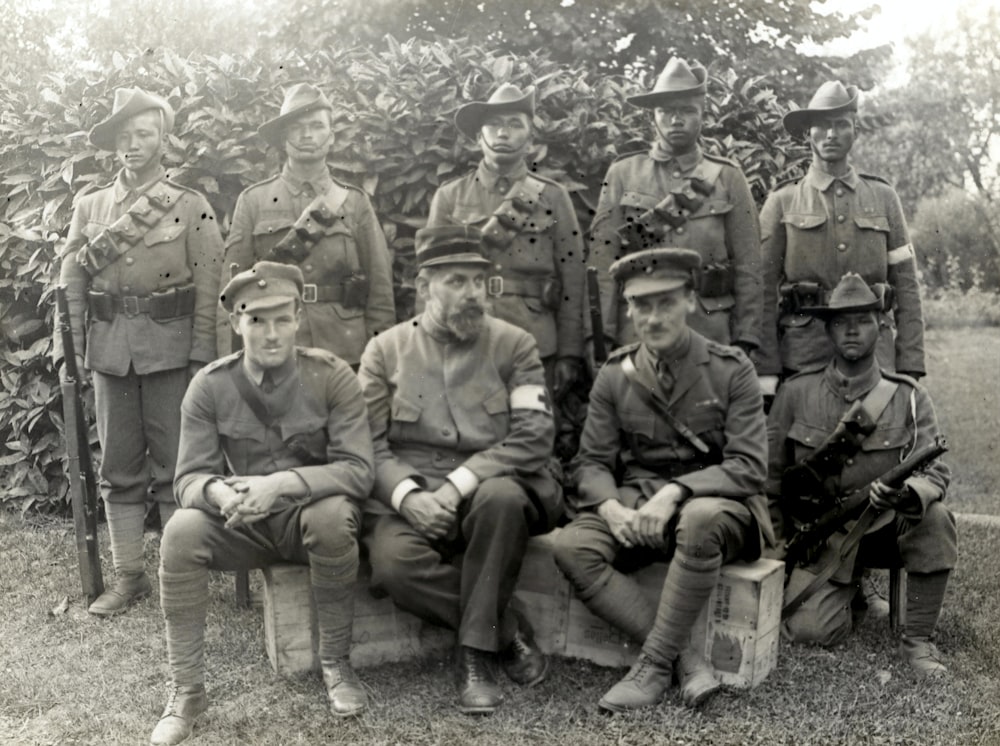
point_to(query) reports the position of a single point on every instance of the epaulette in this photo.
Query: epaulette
(546, 179)
(262, 182)
(900, 377)
(721, 159)
(808, 371)
(346, 185)
(183, 188)
(786, 182)
(455, 178)
(873, 177)
(316, 353)
(725, 350)
(620, 352)
(223, 361)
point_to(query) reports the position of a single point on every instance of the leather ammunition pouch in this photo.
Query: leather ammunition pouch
(163, 305)
(351, 292)
(548, 290)
(514, 214)
(311, 226)
(716, 280)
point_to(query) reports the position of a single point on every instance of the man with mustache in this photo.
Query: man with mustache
(531, 233)
(671, 467)
(831, 221)
(303, 216)
(141, 266)
(275, 463)
(463, 432)
(677, 195)
(912, 524)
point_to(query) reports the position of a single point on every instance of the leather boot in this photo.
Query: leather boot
(923, 656)
(524, 663)
(126, 590)
(343, 689)
(696, 678)
(184, 705)
(478, 691)
(333, 581)
(643, 686)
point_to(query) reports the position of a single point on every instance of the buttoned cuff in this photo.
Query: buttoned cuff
(465, 481)
(401, 490)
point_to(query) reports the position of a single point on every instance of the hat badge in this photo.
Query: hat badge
(262, 283)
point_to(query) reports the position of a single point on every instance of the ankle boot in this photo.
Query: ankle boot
(696, 678)
(184, 705)
(643, 686)
(126, 590)
(344, 691)
(478, 691)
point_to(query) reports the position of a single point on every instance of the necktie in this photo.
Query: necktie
(665, 376)
(267, 382)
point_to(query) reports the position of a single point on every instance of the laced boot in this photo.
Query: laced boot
(524, 663)
(643, 686)
(478, 691)
(344, 690)
(126, 590)
(184, 705)
(923, 656)
(696, 678)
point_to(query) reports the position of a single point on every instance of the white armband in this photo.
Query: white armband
(531, 396)
(900, 255)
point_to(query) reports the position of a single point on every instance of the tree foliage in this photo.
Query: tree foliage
(395, 137)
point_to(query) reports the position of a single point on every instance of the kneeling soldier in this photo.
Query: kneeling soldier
(834, 431)
(671, 467)
(463, 435)
(289, 424)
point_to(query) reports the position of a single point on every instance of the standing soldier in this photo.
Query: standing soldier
(676, 195)
(841, 427)
(671, 466)
(303, 216)
(815, 229)
(141, 267)
(530, 230)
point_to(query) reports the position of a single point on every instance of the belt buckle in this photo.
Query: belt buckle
(494, 286)
(130, 305)
(310, 293)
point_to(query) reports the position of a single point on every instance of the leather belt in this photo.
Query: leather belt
(313, 293)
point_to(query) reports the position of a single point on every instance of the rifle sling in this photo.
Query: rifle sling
(830, 567)
(645, 391)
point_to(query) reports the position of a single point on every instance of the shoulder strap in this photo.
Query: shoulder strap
(249, 395)
(879, 397)
(644, 391)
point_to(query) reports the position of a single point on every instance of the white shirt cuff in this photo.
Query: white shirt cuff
(402, 489)
(465, 481)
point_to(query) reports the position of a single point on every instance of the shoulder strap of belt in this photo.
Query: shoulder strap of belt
(249, 395)
(645, 391)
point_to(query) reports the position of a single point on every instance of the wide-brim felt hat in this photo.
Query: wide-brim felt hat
(508, 97)
(657, 270)
(449, 244)
(265, 285)
(300, 99)
(129, 102)
(830, 99)
(852, 295)
(677, 80)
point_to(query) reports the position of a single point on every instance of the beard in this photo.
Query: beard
(467, 322)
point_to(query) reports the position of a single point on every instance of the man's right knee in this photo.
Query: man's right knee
(397, 556)
(578, 559)
(185, 540)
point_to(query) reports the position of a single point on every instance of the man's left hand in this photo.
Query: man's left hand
(649, 524)
(884, 497)
(565, 374)
(260, 493)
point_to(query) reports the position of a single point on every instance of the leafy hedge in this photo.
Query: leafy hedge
(395, 138)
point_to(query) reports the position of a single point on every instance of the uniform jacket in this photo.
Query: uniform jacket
(550, 246)
(816, 230)
(184, 247)
(219, 430)
(436, 404)
(266, 211)
(808, 407)
(723, 230)
(715, 393)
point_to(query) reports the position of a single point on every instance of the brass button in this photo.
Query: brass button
(841, 218)
(126, 288)
(840, 192)
(842, 246)
(308, 268)
(681, 229)
(676, 174)
(130, 260)
(445, 431)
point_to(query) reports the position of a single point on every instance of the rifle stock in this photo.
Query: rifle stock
(82, 483)
(815, 532)
(596, 317)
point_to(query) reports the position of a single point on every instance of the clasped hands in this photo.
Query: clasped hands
(433, 514)
(245, 500)
(647, 525)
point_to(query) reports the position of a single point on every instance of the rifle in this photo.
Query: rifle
(82, 484)
(596, 318)
(815, 532)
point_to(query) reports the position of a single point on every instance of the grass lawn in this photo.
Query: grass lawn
(69, 678)
(963, 377)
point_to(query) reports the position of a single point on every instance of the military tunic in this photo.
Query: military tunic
(816, 230)
(475, 413)
(354, 244)
(140, 362)
(721, 226)
(549, 247)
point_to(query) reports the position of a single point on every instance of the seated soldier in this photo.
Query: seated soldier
(463, 436)
(289, 424)
(671, 467)
(886, 418)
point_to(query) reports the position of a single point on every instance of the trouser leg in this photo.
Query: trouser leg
(161, 395)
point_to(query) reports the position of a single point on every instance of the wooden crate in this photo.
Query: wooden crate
(739, 627)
